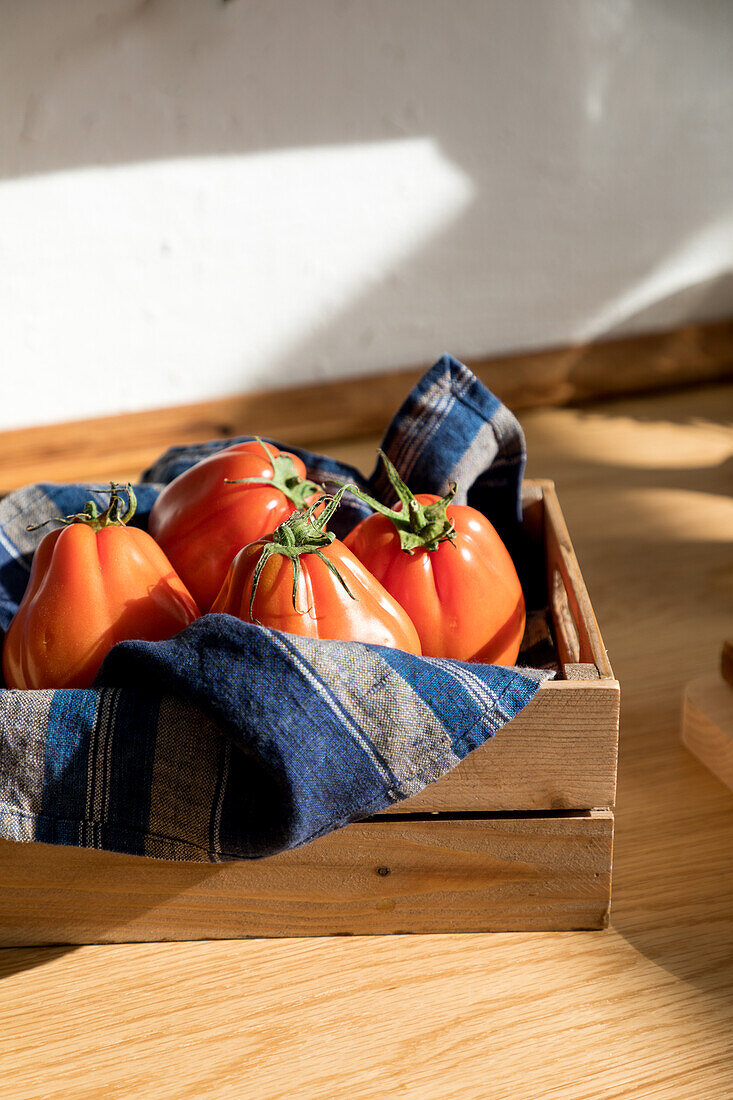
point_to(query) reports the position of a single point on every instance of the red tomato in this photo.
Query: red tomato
(93, 583)
(201, 520)
(302, 580)
(449, 570)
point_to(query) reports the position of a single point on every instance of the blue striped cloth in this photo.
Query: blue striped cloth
(232, 741)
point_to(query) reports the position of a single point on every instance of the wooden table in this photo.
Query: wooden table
(643, 1010)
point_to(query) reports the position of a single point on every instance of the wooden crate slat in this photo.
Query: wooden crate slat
(538, 873)
(560, 558)
(560, 752)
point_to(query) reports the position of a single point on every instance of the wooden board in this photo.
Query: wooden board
(707, 724)
(122, 446)
(576, 628)
(560, 752)
(407, 875)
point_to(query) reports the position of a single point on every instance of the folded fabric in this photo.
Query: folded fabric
(233, 741)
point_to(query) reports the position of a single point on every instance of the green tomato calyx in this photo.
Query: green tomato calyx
(420, 526)
(301, 533)
(118, 512)
(285, 477)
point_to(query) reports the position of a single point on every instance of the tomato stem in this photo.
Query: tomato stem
(285, 477)
(420, 526)
(117, 514)
(301, 533)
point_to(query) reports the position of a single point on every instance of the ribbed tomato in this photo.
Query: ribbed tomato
(303, 580)
(209, 512)
(447, 567)
(93, 583)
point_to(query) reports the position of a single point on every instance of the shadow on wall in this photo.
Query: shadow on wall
(301, 191)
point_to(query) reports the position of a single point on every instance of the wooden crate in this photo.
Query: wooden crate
(518, 837)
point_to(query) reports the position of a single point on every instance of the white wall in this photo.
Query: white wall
(198, 199)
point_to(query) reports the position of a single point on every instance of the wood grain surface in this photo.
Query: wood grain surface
(559, 753)
(440, 874)
(643, 1011)
(707, 724)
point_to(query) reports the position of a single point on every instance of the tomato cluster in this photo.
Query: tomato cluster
(244, 532)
